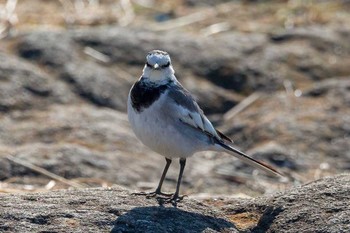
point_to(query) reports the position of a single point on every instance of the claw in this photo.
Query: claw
(162, 197)
(156, 194)
(174, 199)
(152, 194)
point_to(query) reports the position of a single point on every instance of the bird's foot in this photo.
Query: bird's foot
(174, 199)
(152, 194)
(158, 194)
(162, 198)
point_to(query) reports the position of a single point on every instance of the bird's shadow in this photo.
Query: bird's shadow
(168, 219)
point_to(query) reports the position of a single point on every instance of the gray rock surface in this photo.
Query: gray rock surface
(25, 86)
(97, 84)
(320, 206)
(107, 84)
(104, 210)
(314, 126)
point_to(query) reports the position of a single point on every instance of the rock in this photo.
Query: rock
(212, 99)
(220, 62)
(241, 63)
(277, 155)
(107, 84)
(304, 125)
(50, 48)
(25, 86)
(235, 61)
(104, 210)
(271, 153)
(99, 146)
(322, 38)
(88, 79)
(319, 206)
(196, 3)
(335, 88)
(326, 54)
(98, 84)
(116, 210)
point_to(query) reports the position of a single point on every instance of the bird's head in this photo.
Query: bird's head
(158, 66)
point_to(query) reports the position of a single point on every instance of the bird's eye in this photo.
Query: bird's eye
(166, 65)
(148, 65)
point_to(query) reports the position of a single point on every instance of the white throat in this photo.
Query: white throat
(161, 75)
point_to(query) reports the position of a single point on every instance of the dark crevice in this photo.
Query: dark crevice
(267, 219)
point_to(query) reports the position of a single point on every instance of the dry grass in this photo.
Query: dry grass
(243, 16)
(48, 180)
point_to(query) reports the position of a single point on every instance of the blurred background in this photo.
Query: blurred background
(273, 75)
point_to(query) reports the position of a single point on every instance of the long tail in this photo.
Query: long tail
(239, 154)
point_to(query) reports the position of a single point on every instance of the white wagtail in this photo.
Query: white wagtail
(167, 119)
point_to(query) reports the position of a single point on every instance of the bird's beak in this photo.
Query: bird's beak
(156, 66)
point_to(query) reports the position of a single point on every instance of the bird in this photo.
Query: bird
(166, 118)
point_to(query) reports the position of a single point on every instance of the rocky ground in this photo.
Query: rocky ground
(275, 79)
(319, 206)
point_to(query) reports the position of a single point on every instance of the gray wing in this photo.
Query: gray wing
(183, 97)
(189, 112)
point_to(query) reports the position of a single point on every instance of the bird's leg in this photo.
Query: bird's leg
(158, 190)
(176, 196)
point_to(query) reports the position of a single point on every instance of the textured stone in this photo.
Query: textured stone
(320, 206)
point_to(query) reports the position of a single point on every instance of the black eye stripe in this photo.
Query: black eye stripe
(166, 65)
(163, 66)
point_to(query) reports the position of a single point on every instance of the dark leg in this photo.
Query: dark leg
(182, 167)
(167, 165)
(158, 190)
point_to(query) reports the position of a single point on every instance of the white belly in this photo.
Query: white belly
(158, 134)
